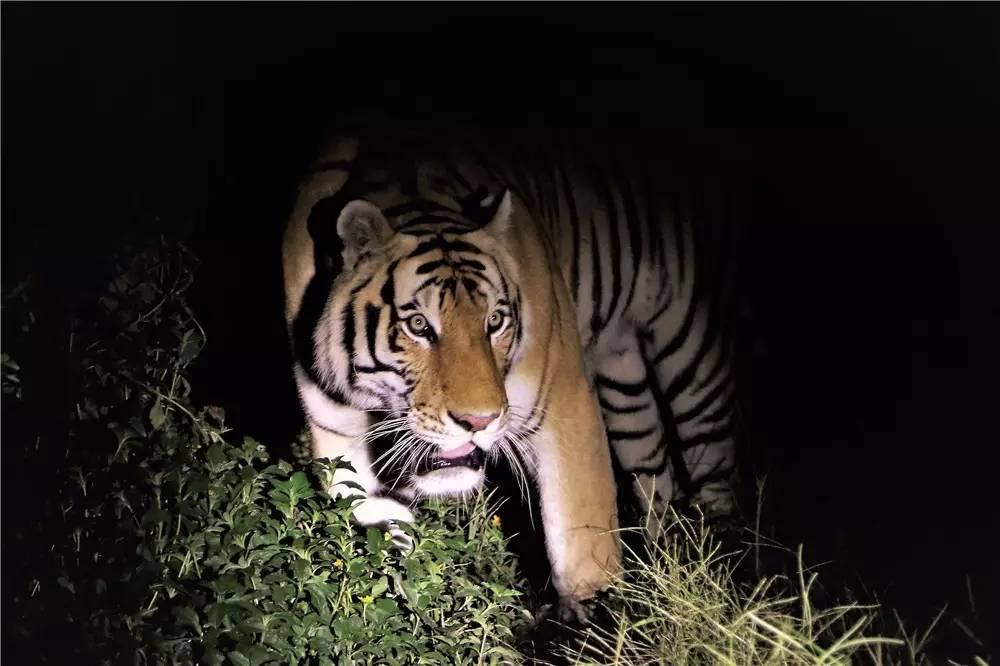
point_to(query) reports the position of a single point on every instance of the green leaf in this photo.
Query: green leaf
(191, 345)
(300, 483)
(187, 617)
(376, 542)
(156, 415)
(259, 655)
(387, 606)
(380, 586)
(348, 628)
(216, 455)
(238, 658)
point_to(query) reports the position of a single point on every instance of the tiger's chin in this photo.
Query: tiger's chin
(447, 472)
(455, 480)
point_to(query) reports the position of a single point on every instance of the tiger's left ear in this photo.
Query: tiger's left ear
(501, 216)
(363, 228)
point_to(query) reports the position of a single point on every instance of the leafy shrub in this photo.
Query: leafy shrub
(178, 545)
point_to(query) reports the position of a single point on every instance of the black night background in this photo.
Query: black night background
(867, 133)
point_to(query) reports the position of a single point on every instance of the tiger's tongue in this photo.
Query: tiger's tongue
(458, 452)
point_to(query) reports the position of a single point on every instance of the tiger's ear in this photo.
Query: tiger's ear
(363, 228)
(501, 215)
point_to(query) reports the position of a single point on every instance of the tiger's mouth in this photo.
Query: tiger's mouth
(473, 459)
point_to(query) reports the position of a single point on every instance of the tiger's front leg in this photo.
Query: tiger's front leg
(577, 489)
(338, 431)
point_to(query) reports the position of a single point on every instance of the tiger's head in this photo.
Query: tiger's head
(421, 326)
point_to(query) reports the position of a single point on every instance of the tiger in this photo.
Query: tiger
(448, 305)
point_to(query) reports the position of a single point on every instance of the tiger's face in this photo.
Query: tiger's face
(424, 324)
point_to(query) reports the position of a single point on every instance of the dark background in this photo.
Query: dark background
(867, 135)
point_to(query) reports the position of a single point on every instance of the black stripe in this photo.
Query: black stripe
(372, 316)
(719, 473)
(659, 452)
(426, 283)
(616, 251)
(684, 378)
(631, 409)
(470, 263)
(710, 437)
(721, 363)
(356, 290)
(388, 291)
(430, 266)
(658, 313)
(574, 225)
(633, 220)
(445, 245)
(672, 440)
(705, 401)
(503, 281)
(516, 314)
(625, 389)
(379, 367)
(347, 344)
(622, 435)
(448, 286)
(723, 411)
(545, 393)
(539, 413)
(651, 469)
(325, 428)
(388, 294)
(652, 219)
(472, 287)
(679, 338)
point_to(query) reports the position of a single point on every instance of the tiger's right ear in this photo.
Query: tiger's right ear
(363, 228)
(502, 208)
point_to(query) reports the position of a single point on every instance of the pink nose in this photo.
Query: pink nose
(474, 422)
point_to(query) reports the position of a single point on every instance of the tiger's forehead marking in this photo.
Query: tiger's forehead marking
(442, 268)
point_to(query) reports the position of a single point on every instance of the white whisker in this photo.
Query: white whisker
(505, 444)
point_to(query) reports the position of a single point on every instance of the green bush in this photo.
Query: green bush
(179, 546)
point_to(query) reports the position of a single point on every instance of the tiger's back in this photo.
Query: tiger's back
(647, 251)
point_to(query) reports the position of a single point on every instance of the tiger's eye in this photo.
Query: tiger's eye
(417, 323)
(494, 321)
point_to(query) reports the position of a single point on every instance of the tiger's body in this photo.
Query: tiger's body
(467, 306)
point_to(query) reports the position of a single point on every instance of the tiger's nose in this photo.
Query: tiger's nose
(474, 422)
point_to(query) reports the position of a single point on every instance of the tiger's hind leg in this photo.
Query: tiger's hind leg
(635, 428)
(688, 358)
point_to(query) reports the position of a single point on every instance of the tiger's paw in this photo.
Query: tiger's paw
(588, 583)
(387, 514)
(380, 510)
(573, 611)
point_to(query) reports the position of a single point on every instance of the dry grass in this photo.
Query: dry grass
(680, 601)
